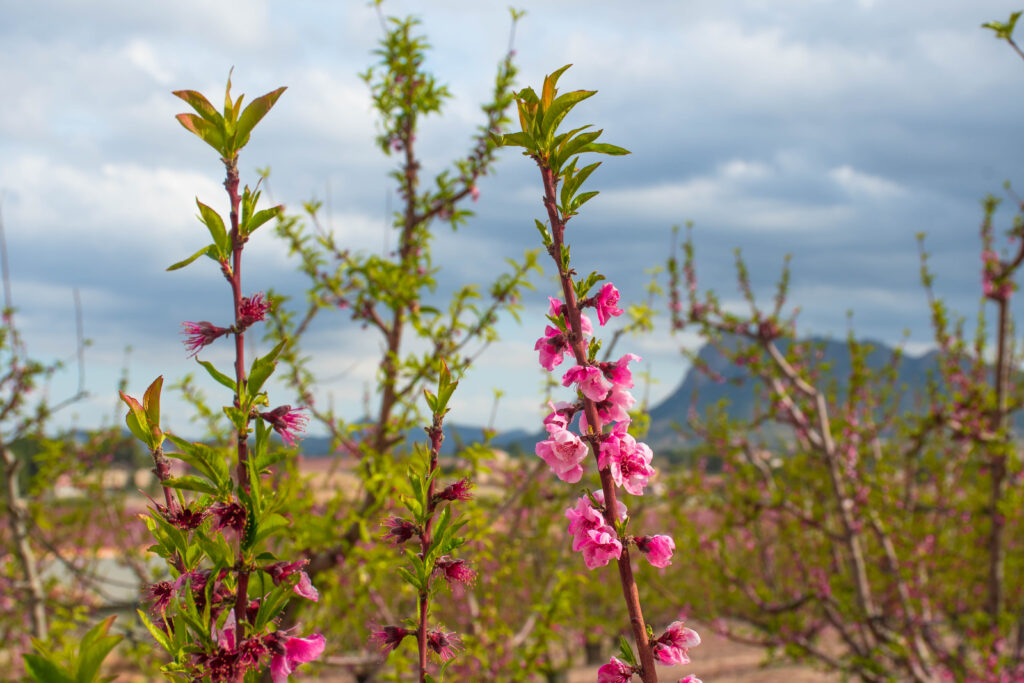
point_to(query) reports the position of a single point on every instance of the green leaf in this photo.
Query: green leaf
(216, 548)
(626, 651)
(560, 108)
(219, 376)
(270, 524)
(604, 148)
(261, 217)
(207, 132)
(1004, 31)
(515, 140)
(95, 647)
(582, 199)
(190, 482)
(215, 224)
(202, 105)
(159, 635)
(272, 605)
(205, 459)
(252, 115)
(578, 178)
(44, 671)
(136, 420)
(431, 401)
(410, 578)
(262, 369)
(548, 90)
(210, 250)
(151, 400)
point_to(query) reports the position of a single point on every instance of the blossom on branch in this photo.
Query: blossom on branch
(591, 381)
(444, 643)
(389, 637)
(454, 570)
(399, 530)
(253, 309)
(292, 652)
(606, 303)
(628, 462)
(601, 547)
(563, 452)
(460, 490)
(672, 647)
(657, 549)
(201, 334)
(231, 515)
(615, 671)
(618, 373)
(279, 571)
(286, 422)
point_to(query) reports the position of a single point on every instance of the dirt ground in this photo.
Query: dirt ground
(716, 660)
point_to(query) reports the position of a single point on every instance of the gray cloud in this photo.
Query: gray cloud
(831, 130)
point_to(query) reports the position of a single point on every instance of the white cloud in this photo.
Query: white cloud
(142, 55)
(114, 202)
(737, 193)
(857, 182)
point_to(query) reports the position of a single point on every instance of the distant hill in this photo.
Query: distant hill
(698, 390)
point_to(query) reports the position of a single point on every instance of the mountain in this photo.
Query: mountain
(700, 392)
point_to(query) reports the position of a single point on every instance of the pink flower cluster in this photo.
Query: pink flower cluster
(233, 657)
(554, 344)
(995, 285)
(670, 648)
(591, 533)
(287, 422)
(673, 646)
(606, 385)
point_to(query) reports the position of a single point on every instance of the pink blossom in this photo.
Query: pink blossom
(231, 515)
(444, 643)
(560, 415)
(279, 571)
(201, 334)
(399, 530)
(184, 518)
(626, 460)
(672, 647)
(614, 408)
(563, 453)
(454, 570)
(585, 517)
(389, 637)
(286, 422)
(657, 549)
(552, 347)
(474, 192)
(292, 652)
(252, 310)
(602, 547)
(460, 490)
(592, 382)
(618, 372)
(615, 671)
(689, 679)
(556, 309)
(160, 593)
(606, 303)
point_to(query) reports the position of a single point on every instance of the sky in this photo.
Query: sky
(832, 130)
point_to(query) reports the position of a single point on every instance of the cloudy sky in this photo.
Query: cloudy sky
(834, 130)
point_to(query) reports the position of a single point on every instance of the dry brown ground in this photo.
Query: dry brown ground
(716, 660)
